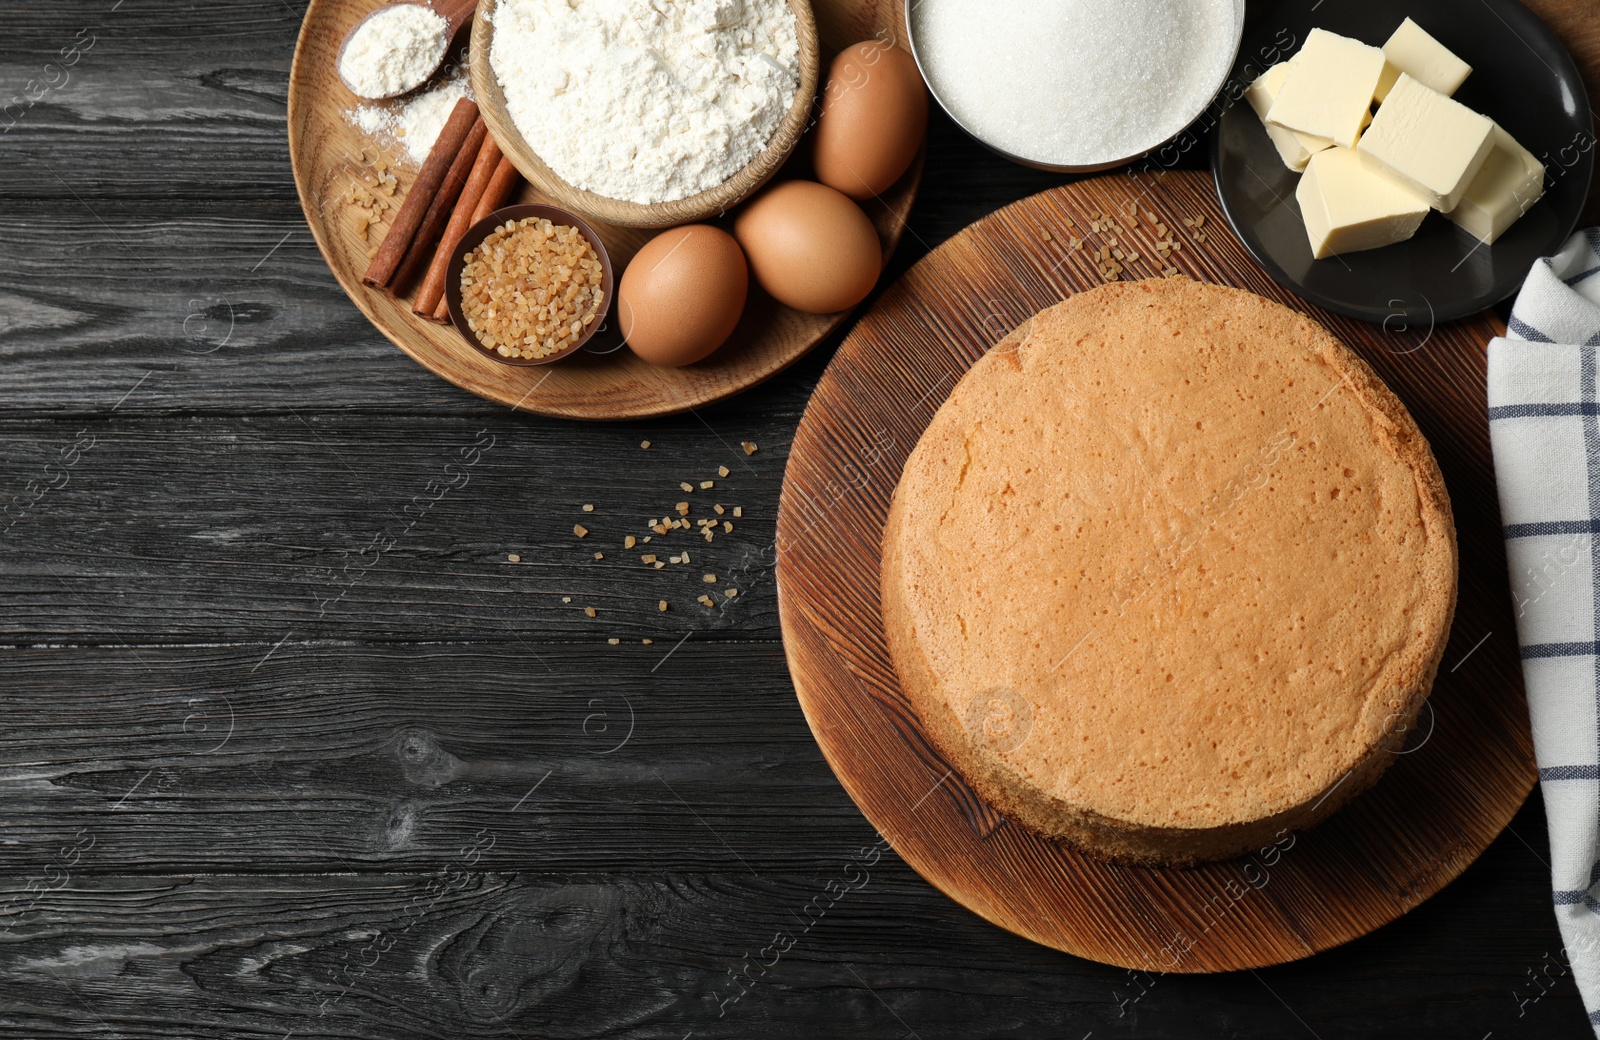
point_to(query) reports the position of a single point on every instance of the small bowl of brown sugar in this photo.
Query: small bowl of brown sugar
(529, 284)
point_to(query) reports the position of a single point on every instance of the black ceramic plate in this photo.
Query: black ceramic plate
(1522, 78)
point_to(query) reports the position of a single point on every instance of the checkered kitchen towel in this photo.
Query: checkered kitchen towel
(1544, 420)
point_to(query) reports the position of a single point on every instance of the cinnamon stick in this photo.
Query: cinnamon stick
(423, 190)
(501, 185)
(497, 194)
(483, 168)
(439, 210)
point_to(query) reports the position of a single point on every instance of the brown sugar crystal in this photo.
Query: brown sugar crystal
(532, 288)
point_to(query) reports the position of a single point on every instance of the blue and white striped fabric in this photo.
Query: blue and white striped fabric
(1544, 421)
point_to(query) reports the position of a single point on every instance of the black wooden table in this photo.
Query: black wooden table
(291, 747)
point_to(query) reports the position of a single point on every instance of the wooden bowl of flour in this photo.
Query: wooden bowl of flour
(703, 206)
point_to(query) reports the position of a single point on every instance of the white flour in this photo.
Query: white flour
(646, 101)
(417, 123)
(394, 50)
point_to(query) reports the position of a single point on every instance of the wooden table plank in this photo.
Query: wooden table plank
(341, 526)
(339, 756)
(462, 951)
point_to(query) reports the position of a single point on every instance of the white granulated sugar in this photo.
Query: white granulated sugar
(1075, 82)
(396, 49)
(646, 101)
(415, 124)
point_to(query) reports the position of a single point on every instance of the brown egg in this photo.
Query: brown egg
(682, 295)
(874, 117)
(810, 247)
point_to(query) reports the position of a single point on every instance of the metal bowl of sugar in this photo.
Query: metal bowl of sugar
(1075, 86)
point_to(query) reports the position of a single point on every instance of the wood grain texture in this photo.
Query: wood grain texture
(706, 205)
(1436, 809)
(465, 951)
(605, 380)
(1577, 22)
(241, 530)
(337, 756)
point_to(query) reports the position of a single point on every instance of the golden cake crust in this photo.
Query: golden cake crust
(1170, 572)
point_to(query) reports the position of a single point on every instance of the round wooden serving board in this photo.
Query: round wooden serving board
(605, 380)
(1466, 769)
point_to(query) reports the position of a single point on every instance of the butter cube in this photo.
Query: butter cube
(1348, 207)
(1412, 51)
(1328, 91)
(1426, 141)
(1511, 181)
(1295, 149)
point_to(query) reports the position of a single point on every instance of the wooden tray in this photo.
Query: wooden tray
(1465, 772)
(605, 380)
